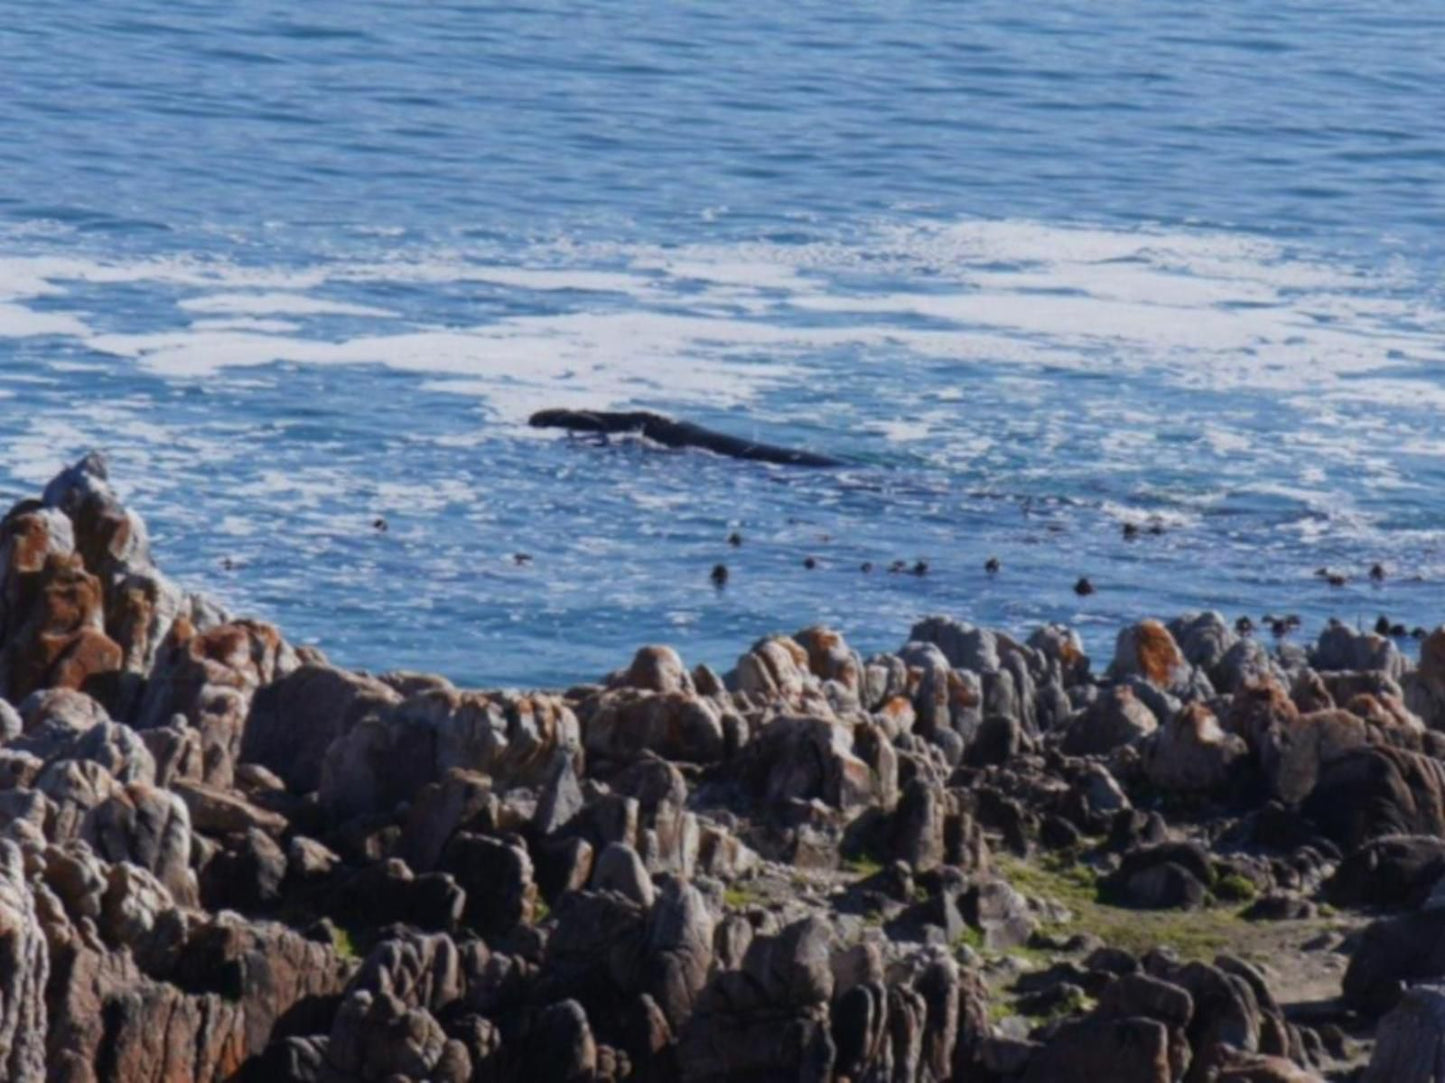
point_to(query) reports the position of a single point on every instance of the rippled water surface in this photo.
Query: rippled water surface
(1035, 272)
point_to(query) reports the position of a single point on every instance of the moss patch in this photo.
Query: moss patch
(344, 943)
(1196, 934)
(740, 898)
(862, 866)
(1235, 888)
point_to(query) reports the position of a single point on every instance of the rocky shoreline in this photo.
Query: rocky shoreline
(222, 857)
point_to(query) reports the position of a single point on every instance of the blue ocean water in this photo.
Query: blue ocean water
(1037, 271)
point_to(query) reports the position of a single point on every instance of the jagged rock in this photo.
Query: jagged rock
(1063, 646)
(1230, 1065)
(1394, 871)
(137, 912)
(619, 869)
(176, 751)
(18, 770)
(497, 878)
(308, 860)
(148, 1030)
(769, 1019)
(1204, 639)
(1190, 752)
(420, 970)
(1000, 913)
(10, 723)
(1115, 719)
(56, 635)
(776, 670)
(294, 720)
(677, 950)
(1425, 687)
(798, 757)
(947, 702)
(222, 812)
(561, 798)
(30, 534)
(246, 874)
(77, 877)
(1260, 708)
(149, 827)
(561, 1047)
(1232, 1007)
(830, 659)
(377, 1037)
(1138, 994)
(1340, 647)
(1410, 1041)
(668, 835)
(963, 645)
(384, 760)
(593, 953)
(1247, 660)
(24, 971)
(210, 678)
(918, 826)
(233, 983)
(1375, 791)
(458, 800)
(722, 854)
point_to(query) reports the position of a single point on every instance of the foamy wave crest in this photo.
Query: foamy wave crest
(641, 324)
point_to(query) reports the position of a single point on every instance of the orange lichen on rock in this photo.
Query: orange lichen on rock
(1157, 653)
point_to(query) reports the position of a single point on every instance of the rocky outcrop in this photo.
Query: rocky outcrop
(225, 859)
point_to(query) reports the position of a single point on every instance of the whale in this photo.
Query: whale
(676, 434)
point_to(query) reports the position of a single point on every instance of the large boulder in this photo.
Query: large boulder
(1115, 718)
(1341, 647)
(1205, 640)
(1191, 752)
(1394, 953)
(1133, 1050)
(802, 757)
(677, 725)
(1148, 650)
(1410, 1041)
(1294, 753)
(1393, 871)
(962, 644)
(1378, 790)
(776, 670)
(294, 720)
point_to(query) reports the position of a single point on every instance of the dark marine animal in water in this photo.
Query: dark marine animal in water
(676, 434)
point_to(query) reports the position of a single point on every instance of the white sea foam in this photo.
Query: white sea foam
(724, 322)
(277, 304)
(17, 321)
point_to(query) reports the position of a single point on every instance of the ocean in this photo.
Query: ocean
(1035, 272)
